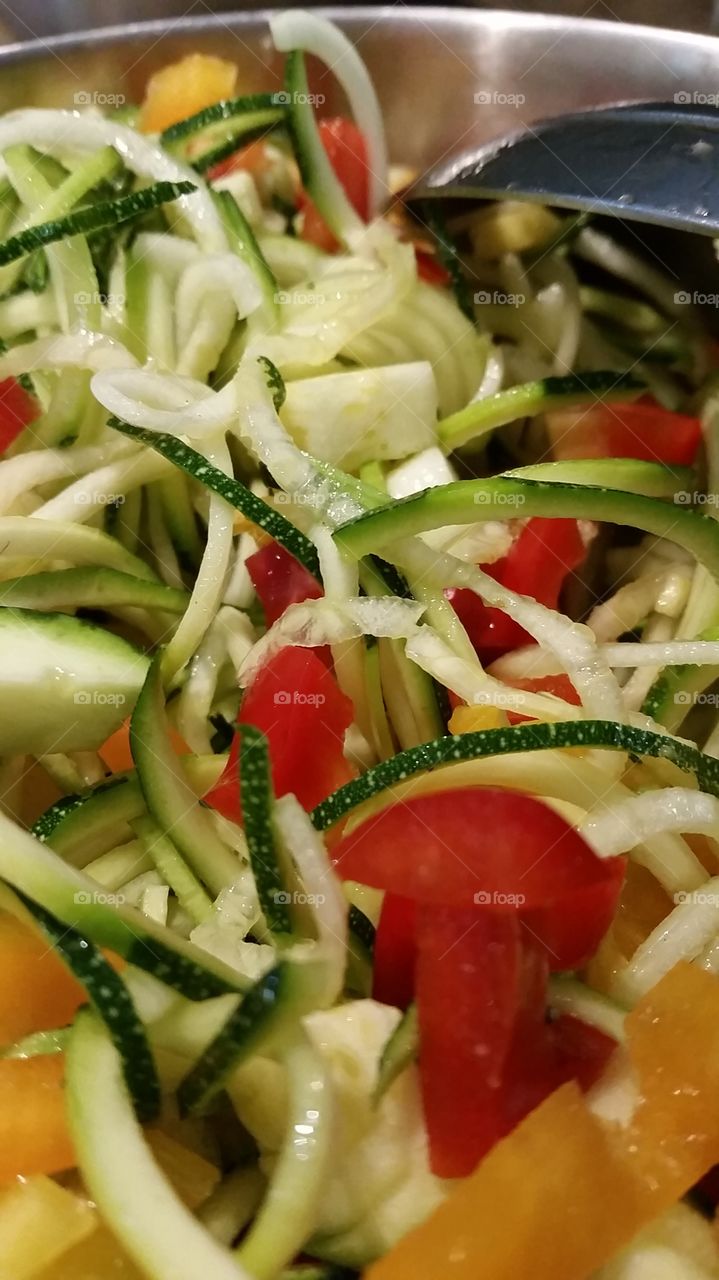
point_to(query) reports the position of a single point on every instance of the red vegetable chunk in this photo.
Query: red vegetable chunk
(546, 551)
(298, 704)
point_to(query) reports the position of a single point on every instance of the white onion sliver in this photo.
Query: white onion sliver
(321, 886)
(617, 829)
(671, 653)
(321, 622)
(82, 350)
(339, 575)
(165, 402)
(683, 935)
(28, 470)
(468, 680)
(572, 642)
(214, 276)
(298, 29)
(209, 584)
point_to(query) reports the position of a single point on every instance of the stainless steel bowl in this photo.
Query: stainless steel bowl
(35, 18)
(447, 78)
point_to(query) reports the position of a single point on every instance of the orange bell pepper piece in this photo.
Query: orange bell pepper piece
(565, 1191)
(115, 752)
(184, 87)
(34, 1136)
(642, 906)
(37, 991)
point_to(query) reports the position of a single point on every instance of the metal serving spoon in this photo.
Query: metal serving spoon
(655, 162)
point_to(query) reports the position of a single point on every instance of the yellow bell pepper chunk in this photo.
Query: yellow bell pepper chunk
(184, 87)
(193, 1177)
(474, 719)
(100, 1257)
(565, 1191)
(511, 226)
(39, 1220)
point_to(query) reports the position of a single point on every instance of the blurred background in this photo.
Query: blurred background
(29, 19)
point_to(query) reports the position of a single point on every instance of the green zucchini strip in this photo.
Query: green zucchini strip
(502, 498)
(233, 491)
(629, 475)
(136, 1201)
(481, 417)
(244, 243)
(90, 588)
(522, 737)
(169, 797)
(109, 213)
(113, 1002)
(174, 870)
(292, 1202)
(268, 1011)
(210, 135)
(79, 902)
(400, 1050)
(257, 802)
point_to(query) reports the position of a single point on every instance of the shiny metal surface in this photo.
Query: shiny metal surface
(647, 162)
(39, 18)
(448, 79)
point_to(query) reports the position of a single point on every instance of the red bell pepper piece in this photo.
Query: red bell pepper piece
(560, 685)
(251, 159)
(468, 974)
(488, 1055)
(298, 704)
(430, 269)
(546, 551)
(17, 409)
(643, 429)
(280, 580)
(395, 951)
(531, 1066)
(347, 153)
(490, 847)
(583, 1051)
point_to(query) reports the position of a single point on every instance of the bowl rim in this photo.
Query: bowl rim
(462, 18)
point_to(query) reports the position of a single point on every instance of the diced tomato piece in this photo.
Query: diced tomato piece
(430, 269)
(347, 153)
(395, 951)
(559, 685)
(280, 580)
(250, 159)
(17, 409)
(488, 1054)
(492, 848)
(468, 971)
(485, 892)
(546, 551)
(298, 704)
(583, 1051)
(643, 429)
